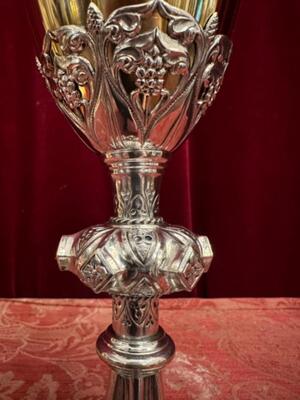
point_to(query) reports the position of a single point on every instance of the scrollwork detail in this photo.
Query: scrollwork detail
(94, 273)
(136, 207)
(73, 73)
(136, 310)
(213, 74)
(104, 56)
(192, 273)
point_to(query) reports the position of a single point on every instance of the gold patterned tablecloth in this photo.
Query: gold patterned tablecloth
(245, 349)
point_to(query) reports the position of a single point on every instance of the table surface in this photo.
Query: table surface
(246, 349)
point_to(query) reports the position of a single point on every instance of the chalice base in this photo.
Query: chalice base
(135, 387)
(136, 362)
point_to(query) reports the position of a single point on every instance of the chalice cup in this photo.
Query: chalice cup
(133, 78)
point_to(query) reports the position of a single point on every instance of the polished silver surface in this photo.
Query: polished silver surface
(145, 260)
(133, 82)
(135, 387)
(125, 86)
(136, 349)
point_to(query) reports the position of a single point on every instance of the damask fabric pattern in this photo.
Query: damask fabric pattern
(242, 349)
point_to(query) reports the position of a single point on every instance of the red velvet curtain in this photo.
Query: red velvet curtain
(236, 180)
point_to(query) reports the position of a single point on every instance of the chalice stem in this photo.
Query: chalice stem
(136, 348)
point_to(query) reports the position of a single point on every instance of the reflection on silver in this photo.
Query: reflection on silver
(149, 260)
(126, 88)
(134, 91)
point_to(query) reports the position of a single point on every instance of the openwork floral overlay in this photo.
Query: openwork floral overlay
(147, 75)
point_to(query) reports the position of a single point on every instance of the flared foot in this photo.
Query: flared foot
(136, 362)
(135, 387)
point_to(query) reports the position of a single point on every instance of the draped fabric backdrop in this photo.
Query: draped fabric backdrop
(236, 180)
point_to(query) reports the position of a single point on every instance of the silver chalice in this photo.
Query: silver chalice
(133, 78)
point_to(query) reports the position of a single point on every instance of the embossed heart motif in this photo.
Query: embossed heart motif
(143, 244)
